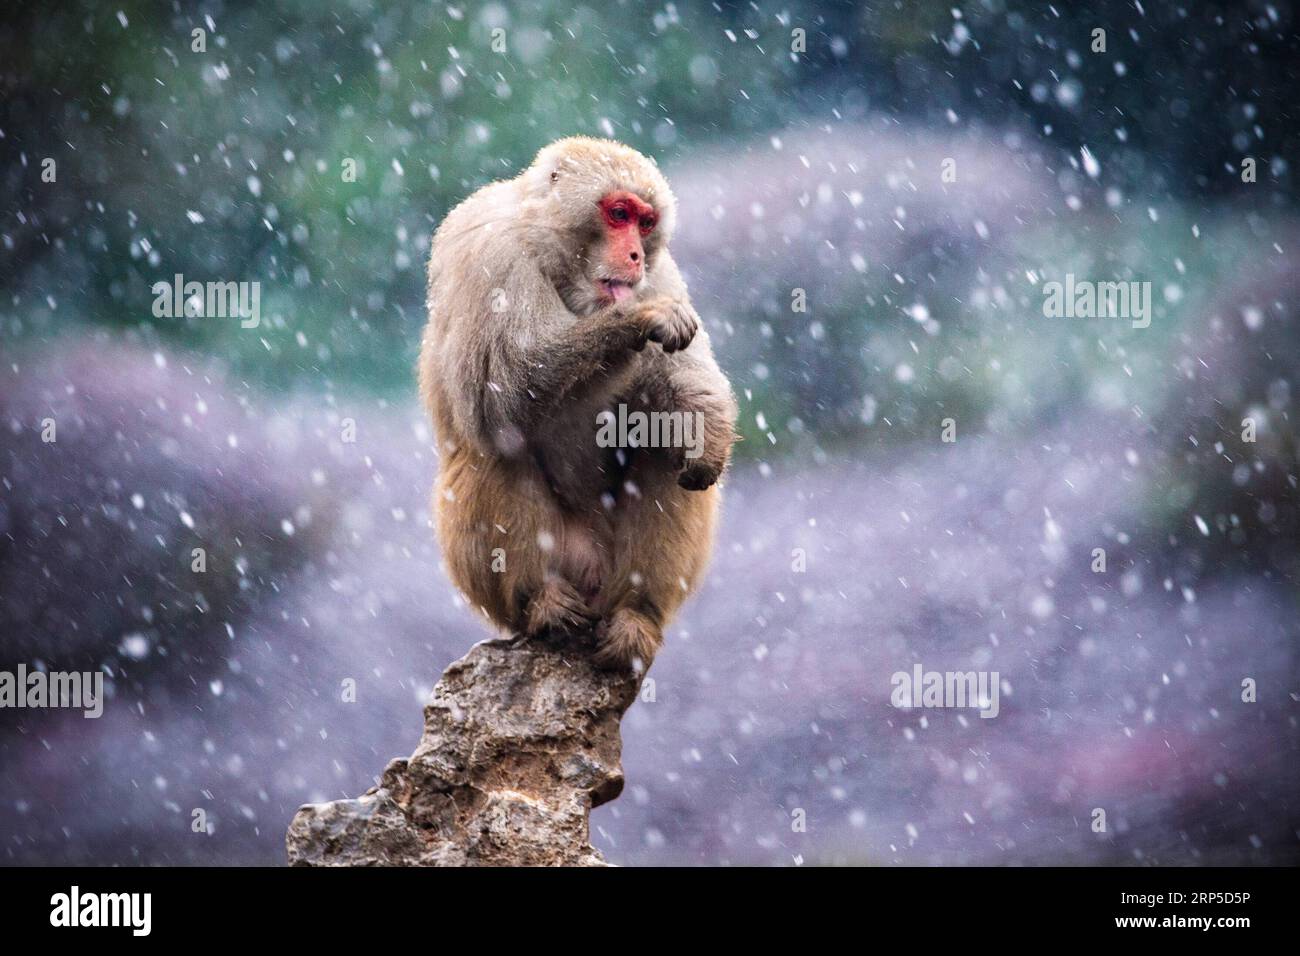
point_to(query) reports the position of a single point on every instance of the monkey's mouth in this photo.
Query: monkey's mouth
(615, 289)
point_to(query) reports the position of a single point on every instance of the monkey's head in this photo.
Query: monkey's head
(600, 214)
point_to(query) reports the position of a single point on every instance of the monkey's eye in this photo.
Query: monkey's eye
(648, 223)
(618, 214)
(555, 176)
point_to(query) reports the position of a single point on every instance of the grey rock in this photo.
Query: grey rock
(521, 740)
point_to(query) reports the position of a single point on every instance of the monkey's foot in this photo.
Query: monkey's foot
(558, 607)
(698, 475)
(626, 638)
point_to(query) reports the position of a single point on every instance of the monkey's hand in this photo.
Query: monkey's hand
(669, 322)
(557, 607)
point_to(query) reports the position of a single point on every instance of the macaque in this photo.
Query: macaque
(553, 302)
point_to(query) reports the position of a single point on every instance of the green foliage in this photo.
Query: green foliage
(229, 164)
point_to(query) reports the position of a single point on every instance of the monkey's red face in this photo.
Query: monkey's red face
(627, 221)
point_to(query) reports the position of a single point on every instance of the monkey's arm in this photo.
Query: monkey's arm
(519, 364)
(580, 352)
(690, 381)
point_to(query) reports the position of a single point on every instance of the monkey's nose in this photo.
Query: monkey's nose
(635, 256)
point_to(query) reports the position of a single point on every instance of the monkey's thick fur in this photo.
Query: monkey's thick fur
(540, 527)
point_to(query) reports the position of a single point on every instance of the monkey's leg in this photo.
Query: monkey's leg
(663, 535)
(692, 387)
(508, 546)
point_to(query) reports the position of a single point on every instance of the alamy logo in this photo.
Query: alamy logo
(53, 689)
(75, 908)
(1085, 299)
(922, 688)
(639, 429)
(213, 300)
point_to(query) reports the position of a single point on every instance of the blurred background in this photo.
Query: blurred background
(918, 170)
